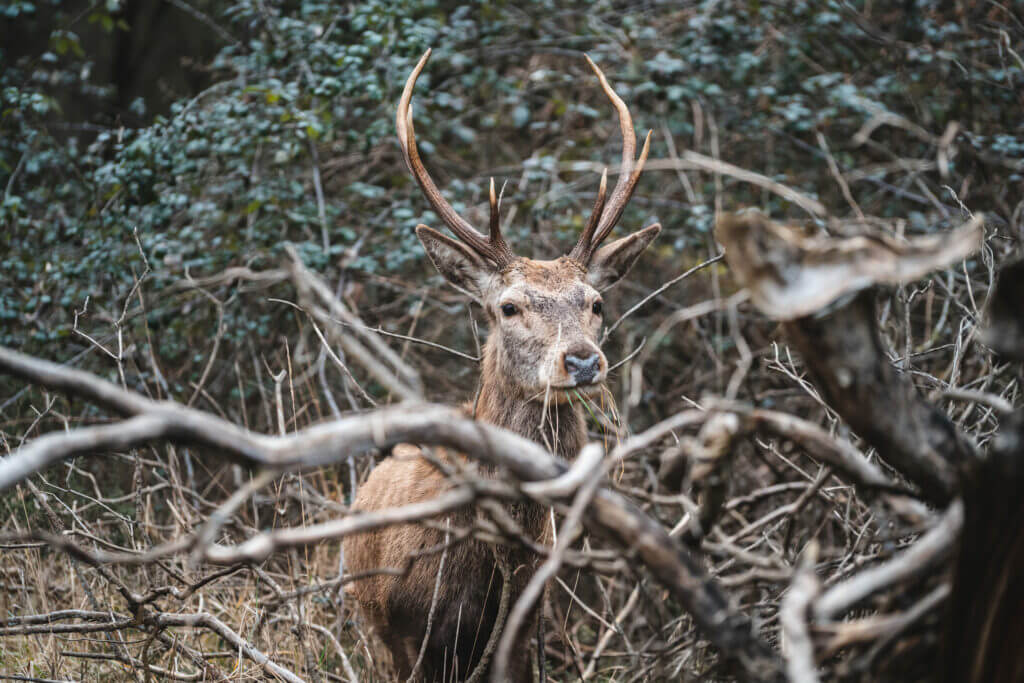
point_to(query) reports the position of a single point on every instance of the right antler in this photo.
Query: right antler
(604, 217)
(494, 248)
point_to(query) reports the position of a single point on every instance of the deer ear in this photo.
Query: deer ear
(459, 264)
(612, 261)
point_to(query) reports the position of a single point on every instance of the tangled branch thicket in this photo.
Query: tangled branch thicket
(810, 441)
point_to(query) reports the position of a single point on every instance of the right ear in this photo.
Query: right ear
(612, 261)
(459, 264)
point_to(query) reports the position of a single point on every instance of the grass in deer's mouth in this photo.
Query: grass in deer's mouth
(605, 414)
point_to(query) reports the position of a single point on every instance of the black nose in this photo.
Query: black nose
(582, 370)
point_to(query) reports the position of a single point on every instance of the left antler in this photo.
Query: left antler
(494, 248)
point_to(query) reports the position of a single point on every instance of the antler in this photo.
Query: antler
(494, 248)
(605, 216)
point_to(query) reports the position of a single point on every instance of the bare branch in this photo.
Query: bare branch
(923, 555)
(793, 615)
(609, 514)
(791, 275)
(259, 547)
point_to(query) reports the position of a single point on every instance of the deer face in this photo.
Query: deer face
(545, 319)
(545, 315)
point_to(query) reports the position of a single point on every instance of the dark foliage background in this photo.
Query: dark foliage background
(181, 144)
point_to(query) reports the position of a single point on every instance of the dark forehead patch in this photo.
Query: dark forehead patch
(577, 296)
(541, 301)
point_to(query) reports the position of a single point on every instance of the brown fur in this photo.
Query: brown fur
(467, 604)
(522, 367)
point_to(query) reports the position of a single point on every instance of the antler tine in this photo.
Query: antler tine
(579, 252)
(496, 239)
(495, 250)
(625, 120)
(629, 173)
(622, 194)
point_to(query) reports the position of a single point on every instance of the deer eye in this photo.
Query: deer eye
(598, 307)
(509, 310)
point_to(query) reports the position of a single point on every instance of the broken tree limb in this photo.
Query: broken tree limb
(791, 274)
(821, 288)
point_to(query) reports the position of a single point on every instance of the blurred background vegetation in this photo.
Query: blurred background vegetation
(157, 155)
(182, 137)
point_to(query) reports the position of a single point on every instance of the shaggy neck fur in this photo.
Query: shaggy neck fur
(559, 427)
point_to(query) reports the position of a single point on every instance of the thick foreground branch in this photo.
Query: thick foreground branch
(802, 280)
(843, 353)
(609, 514)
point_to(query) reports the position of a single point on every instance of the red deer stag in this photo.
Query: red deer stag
(544, 319)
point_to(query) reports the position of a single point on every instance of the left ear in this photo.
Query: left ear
(612, 261)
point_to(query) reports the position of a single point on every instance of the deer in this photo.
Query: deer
(544, 318)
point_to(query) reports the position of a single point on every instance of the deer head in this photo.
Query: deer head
(544, 315)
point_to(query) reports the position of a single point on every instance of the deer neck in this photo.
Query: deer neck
(559, 427)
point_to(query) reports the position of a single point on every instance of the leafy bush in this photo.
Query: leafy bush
(224, 176)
